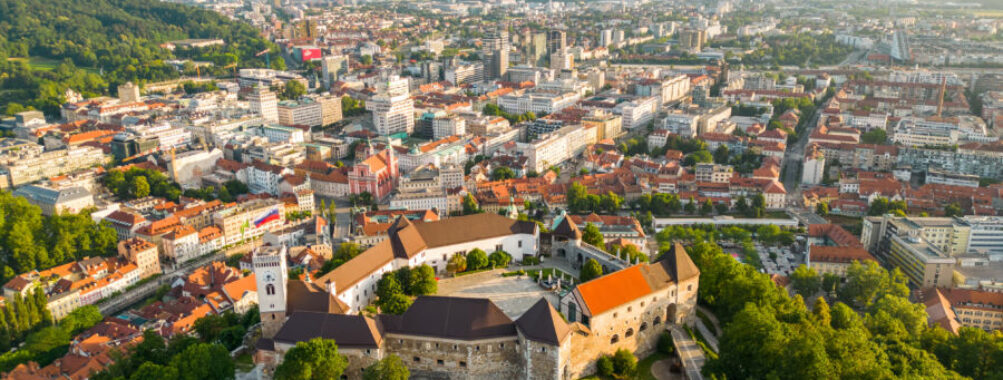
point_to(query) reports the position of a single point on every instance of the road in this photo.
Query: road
(342, 226)
(791, 169)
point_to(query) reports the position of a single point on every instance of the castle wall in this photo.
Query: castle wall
(496, 358)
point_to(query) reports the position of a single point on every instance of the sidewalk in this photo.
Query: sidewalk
(689, 352)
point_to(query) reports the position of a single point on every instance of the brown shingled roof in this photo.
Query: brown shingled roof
(452, 318)
(543, 324)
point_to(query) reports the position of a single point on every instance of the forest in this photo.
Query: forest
(92, 46)
(863, 328)
(30, 240)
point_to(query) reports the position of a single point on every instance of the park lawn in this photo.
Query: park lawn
(644, 366)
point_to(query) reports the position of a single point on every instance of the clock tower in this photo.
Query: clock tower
(271, 274)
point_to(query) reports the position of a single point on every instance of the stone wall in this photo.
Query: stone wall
(496, 358)
(543, 361)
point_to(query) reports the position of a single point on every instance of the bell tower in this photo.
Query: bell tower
(271, 274)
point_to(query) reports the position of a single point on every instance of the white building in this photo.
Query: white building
(637, 112)
(392, 113)
(556, 147)
(305, 111)
(813, 169)
(188, 168)
(538, 102)
(264, 102)
(448, 126)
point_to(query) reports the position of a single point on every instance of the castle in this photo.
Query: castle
(468, 338)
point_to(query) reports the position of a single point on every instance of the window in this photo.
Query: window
(477, 348)
(689, 287)
(270, 289)
(644, 326)
(498, 247)
(658, 321)
(629, 308)
(440, 362)
(629, 333)
(520, 243)
(463, 364)
(416, 359)
(455, 347)
(614, 339)
(543, 349)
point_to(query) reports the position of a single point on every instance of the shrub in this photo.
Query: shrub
(624, 362)
(604, 366)
(665, 344)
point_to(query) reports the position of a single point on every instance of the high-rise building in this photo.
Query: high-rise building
(393, 109)
(265, 103)
(562, 60)
(495, 52)
(538, 49)
(332, 67)
(556, 40)
(606, 38)
(692, 39)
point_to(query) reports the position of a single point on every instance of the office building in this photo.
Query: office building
(264, 102)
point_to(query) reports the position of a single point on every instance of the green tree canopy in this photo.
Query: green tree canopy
(316, 359)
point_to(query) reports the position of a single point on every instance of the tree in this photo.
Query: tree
(457, 263)
(315, 359)
(388, 286)
(691, 206)
(502, 173)
(470, 205)
(592, 236)
(207, 361)
(604, 366)
(574, 196)
(706, 208)
(867, 282)
(389, 368)
(700, 156)
(874, 136)
(805, 281)
(139, 187)
(721, 207)
(154, 371)
(499, 259)
(822, 209)
(721, 154)
(422, 281)
(590, 270)
(953, 209)
(366, 60)
(477, 259)
(396, 304)
(879, 206)
(624, 363)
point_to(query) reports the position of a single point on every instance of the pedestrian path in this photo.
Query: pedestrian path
(689, 352)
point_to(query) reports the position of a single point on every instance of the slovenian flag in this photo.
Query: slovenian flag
(267, 217)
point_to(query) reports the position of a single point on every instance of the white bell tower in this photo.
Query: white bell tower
(271, 274)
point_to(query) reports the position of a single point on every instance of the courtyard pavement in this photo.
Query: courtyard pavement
(513, 295)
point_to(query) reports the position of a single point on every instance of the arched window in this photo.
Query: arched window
(572, 312)
(614, 339)
(629, 333)
(270, 289)
(658, 321)
(644, 326)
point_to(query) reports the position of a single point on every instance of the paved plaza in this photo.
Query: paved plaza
(514, 294)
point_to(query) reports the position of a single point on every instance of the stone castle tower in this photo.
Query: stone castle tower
(271, 276)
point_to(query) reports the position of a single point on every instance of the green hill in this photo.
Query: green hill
(94, 45)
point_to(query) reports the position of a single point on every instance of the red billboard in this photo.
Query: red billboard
(310, 54)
